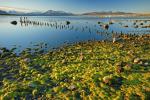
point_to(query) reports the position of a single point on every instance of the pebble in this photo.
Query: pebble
(106, 79)
(128, 66)
(27, 60)
(72, 87)
(130, 52)
(118, 64)
(146, 64)
(137, 60)
(140, 63)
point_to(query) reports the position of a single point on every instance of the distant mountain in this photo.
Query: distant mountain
(3, 12)
(47, 13)
(56, 13)
(32, 14)
(107, 13)
(23, 12)
(14, 12)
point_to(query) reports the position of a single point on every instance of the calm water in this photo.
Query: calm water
(54, 32)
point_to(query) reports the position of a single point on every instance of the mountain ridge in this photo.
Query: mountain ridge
(47, 13)
(63, 13)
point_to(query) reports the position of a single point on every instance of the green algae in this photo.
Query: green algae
(89, 70)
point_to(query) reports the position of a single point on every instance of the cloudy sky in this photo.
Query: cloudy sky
(77, 6)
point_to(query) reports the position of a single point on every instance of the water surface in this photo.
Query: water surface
(55, 32)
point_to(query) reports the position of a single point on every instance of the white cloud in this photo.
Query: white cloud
(5, 8)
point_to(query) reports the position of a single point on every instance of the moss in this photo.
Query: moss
(87, 70)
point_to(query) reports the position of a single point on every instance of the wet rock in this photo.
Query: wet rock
(119, 69)
(28, 60)
(126, 26)
(99, 22)
(72, 87)
(106, 26)
(64, 61)
(118, 64)
(67, 22)
(140, 63)
(14, 22)
(146, 64)
(111, 22)
(136, 26)
(137, 60)
(130, 52)
(106, 79)
(121, 46)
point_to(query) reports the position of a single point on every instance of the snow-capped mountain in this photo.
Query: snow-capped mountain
(56, 13)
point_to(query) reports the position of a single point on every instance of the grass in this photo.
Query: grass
(90, 70)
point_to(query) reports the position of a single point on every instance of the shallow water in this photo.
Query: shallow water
(54, 32)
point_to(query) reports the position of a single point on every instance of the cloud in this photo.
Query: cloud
(6, 8)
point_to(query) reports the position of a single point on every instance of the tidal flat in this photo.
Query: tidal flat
(93, 70)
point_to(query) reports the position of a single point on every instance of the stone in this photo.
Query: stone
(146, 64)
(14, 22)
(137, 60)
(27, 60)
(72, 87)
(106, 79)
(128, 67)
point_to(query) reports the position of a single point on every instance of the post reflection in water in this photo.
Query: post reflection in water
(25, 22)
(56, 30)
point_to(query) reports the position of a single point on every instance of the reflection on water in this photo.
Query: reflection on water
(56, 31)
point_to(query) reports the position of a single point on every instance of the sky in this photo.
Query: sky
(78, 6)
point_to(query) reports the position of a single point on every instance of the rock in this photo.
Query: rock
(130, 52)
(111, 22)
(137, 60)
(64, 61)
(128, 67)
(136, 26)
(118, 64)
(67, 22)
(27, 60)
(14, 22)
(106, 26)
(99, 22)
(106, 79)
(140, 63)
(72, 87)
(126, 26)
(146, 64)
(121, 46)
(119, 69)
